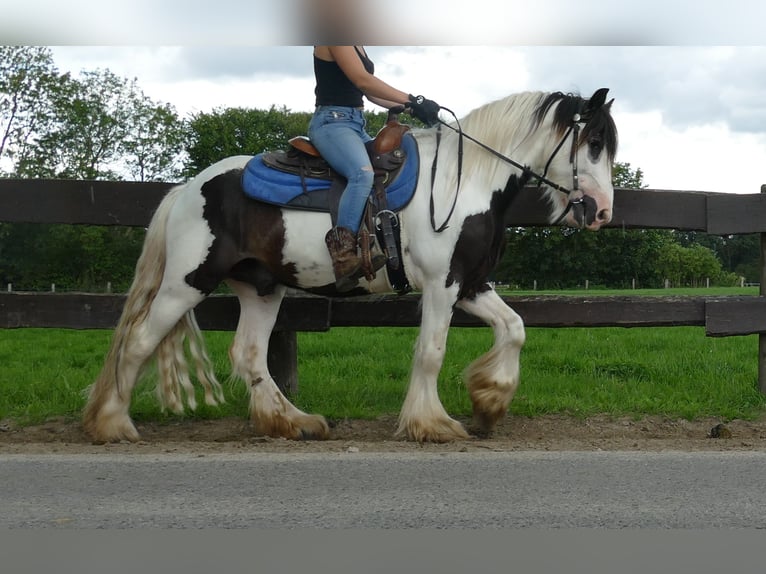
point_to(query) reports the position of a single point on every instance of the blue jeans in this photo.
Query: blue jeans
(339, 135)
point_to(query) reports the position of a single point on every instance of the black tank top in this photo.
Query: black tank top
(333, 88)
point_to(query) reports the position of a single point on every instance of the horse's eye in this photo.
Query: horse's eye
(595, 145)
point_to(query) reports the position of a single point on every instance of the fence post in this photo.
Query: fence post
(762, 292)
(282, 360)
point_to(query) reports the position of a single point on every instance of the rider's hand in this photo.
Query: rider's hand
(427, 111)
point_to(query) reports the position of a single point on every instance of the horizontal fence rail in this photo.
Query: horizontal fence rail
(132, 204)
(721, 316)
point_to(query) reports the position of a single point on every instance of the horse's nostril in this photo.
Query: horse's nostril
(604, 216)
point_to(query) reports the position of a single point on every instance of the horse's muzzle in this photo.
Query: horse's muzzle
(585, 212)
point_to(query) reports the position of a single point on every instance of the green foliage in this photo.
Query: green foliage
(95, 126)
(626, 177)
(155, 141)
(102, 126)
(249, 131)
(75, 258)
(556, 257)
(689, 265)
(29, 82)
(240, 131)
(88, 124)
(739, 254)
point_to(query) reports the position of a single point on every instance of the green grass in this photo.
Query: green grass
(675, 372)
(361, 373)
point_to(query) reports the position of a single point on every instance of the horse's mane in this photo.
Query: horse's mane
(515, 113)
(515, 117)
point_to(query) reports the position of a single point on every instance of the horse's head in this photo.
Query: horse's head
(579, 157)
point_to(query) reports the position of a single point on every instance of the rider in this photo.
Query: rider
(343, 75)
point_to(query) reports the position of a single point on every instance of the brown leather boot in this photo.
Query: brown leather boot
(346, 263)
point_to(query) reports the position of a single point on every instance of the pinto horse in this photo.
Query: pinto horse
(207, 231)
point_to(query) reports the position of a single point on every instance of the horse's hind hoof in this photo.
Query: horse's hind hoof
(303, 427)
(481, 432)
(310, 435)
(314, 434)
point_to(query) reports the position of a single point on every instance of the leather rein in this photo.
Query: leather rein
(574, 128)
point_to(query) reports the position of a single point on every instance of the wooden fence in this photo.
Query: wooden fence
(132, 204)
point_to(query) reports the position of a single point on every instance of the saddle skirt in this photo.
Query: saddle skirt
(297, 180)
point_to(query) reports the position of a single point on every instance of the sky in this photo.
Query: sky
(688, 79)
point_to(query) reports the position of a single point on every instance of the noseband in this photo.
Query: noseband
(574, 128)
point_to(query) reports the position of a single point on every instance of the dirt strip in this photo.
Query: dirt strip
(554, 433)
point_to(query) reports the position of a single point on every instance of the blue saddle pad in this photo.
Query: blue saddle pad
(280, 188)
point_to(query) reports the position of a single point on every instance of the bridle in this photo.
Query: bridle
(573, 128)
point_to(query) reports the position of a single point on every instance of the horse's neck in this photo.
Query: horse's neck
(506, 126)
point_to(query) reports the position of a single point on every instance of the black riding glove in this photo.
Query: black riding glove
(427, 111)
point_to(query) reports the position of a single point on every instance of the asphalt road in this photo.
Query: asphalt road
(604, 490)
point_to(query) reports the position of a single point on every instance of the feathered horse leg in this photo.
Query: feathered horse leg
(492, 379)
(423, 417)
(272, 414)
(154, 305)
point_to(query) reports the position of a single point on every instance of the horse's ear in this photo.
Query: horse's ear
(597, 99)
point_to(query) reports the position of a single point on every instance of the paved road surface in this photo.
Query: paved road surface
(612, 490)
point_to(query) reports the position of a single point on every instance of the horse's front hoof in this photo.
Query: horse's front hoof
(315, 428)
(438, 431)
(484, 422)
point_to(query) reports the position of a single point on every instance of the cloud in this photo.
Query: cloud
(213, 62)
(692, 86)
(697, 158)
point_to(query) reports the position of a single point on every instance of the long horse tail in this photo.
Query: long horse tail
(175, 382)
(173, 369)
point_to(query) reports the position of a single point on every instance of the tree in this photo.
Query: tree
(90, 118)
(738, 254)
(240, 131)
(102, 126)
(96, 126)
(249, 131)
(691, 266)
(154, 144)
(626, 177)
(558, 257)
(28, 83)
